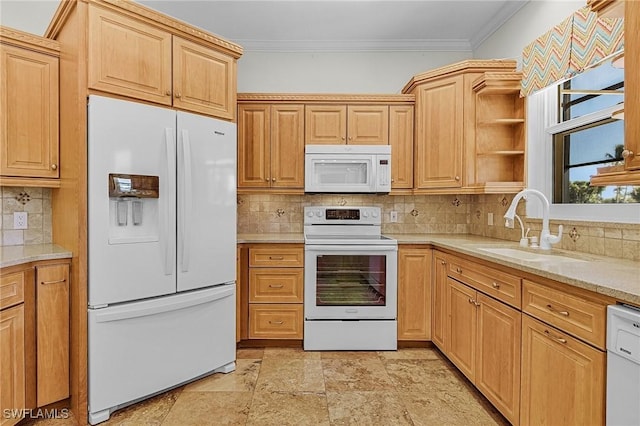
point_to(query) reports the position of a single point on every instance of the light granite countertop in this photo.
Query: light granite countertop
(610, 276)
(16, 255)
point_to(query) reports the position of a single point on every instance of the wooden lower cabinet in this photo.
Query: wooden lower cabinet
(275, 321)
(12, 365)
(439, 315)
(414, 293)
(563, 379)
(274, 300)
(52, 301)
(497, 373)
(483, 341)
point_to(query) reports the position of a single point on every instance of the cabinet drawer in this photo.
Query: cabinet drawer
(276, 285)
(11, 289)
(274, 321)
(287, 257)
(498, 284)
(577, 316)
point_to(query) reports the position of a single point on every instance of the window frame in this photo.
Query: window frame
(542, 119)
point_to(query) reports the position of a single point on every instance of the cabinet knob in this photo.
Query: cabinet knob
(54, 167)
(342, 138)
(457, 178)
(168, 93)
(273, 179)
(627, 153)
(442, 262)
(458, 270)
(178, 94)
(392, 180)
(495, 285)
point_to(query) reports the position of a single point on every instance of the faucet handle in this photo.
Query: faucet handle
(554, 239)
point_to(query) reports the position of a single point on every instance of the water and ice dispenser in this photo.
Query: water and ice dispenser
(133, 208)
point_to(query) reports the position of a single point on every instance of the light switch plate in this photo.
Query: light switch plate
(490, 219)
(20, 220)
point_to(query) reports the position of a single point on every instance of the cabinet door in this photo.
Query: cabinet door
(497, 373)
(401, 141)
(632, 86)
(368, 125)
(29, 111)
(325, 124)
(440, 299)
(254, 169)
(439, 134)
(204, 80)
(52, 307)
(128, 57)
(414, 293)
(12, 364)
(462, 327)
(562, 378)
(287, 146)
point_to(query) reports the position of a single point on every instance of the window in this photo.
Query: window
(543, 124)
(587, 138)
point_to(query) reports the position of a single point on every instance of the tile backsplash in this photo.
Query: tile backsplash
(424, 214)
(416, 214)
(428, 214)
(37, 203)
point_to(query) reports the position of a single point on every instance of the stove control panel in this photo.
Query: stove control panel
(341, 215)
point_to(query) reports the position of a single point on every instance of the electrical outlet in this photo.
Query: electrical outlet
(394, 216)
(490, 219)
(20, 220)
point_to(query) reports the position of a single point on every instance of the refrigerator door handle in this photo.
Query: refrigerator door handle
(169, 253)
(187, 201)
(162, 305)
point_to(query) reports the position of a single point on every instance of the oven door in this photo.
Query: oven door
(350, 282)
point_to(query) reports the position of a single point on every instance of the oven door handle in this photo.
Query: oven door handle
(348, 247)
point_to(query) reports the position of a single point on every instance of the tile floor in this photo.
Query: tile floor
(278, 386)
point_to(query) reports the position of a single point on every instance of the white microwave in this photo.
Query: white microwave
(347, 168)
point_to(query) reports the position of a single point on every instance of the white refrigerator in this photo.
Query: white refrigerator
(162, 245)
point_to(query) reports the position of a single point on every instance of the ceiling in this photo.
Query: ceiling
(342, 26)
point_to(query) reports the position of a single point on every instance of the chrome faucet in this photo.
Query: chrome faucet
(546, 239)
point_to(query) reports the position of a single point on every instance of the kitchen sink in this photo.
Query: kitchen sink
(530, 256)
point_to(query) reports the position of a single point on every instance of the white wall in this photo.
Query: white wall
(27, 15)
(352, 72)
(530, 22)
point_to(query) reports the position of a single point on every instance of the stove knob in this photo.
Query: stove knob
(375, 214)
(365, 214)
(310, 213)
(319, 213)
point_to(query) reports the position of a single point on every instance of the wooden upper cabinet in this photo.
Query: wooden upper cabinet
(632, 89)
(325, 124)
(401, 141)
(347, 124)
(203, 80)
(439, 134)
(28, 107)
(128, 57)
(287, 146)
(447, 158)
(254, 145)
(368, 125)
(271, 146)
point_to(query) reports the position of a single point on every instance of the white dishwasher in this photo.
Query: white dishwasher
(623, 365)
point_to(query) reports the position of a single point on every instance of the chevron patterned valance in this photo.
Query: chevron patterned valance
(570, 47)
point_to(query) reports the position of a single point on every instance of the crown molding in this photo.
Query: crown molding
(314, 46)
(498, 20)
